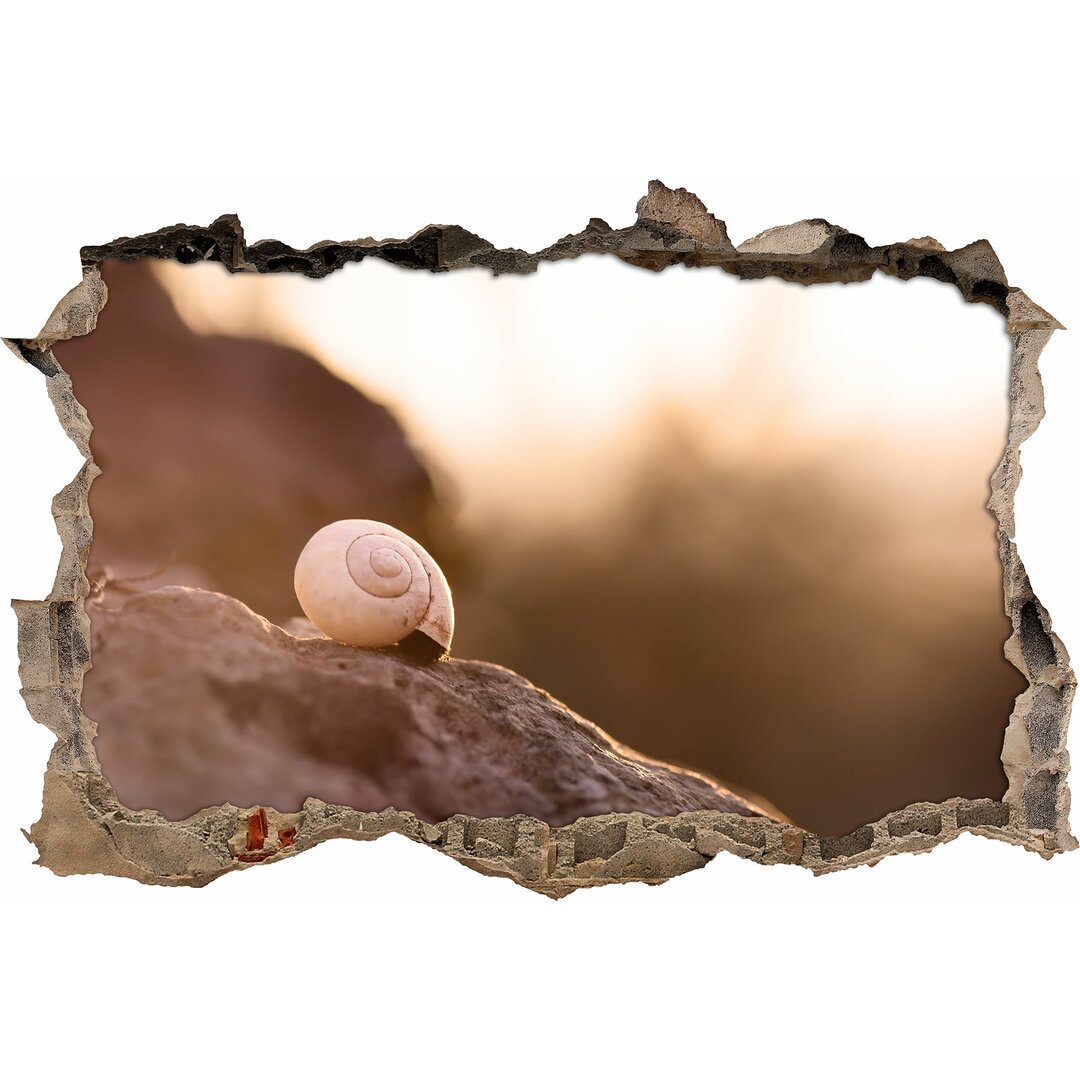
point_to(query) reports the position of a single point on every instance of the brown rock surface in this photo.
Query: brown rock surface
(221, 456)
(199, 702)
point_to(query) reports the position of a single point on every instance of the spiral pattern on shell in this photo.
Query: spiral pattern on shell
(366, 583)
(386, 567)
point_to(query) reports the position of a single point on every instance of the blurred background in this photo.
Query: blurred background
(739, 525)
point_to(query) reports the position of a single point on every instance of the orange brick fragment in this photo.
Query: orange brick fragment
(286, 836)
(258, 830)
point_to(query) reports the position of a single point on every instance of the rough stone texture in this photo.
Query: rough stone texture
(84, 828)
(250, 714)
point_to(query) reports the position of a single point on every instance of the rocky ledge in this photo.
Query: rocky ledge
(252, 743)
(199, 702)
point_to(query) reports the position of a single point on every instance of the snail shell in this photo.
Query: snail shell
(365, 583)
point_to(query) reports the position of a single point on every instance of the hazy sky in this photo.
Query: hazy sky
(560, 373)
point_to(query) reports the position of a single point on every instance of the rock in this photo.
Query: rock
(657, 858)
(801, 238)
(221, 456)
(198, 701)
(159, 848)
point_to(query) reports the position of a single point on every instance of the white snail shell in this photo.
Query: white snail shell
(366, 583)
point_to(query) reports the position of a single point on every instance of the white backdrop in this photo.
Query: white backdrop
(389, 959)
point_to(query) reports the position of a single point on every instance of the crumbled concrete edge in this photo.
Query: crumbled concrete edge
(85, 829)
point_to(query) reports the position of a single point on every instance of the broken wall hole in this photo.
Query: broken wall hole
(671, 819)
